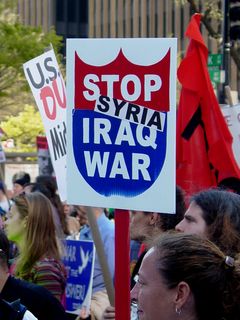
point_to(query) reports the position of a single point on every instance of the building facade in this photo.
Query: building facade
(68, 17)
(121, 19)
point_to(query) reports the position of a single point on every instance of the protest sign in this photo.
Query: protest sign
(2, 154)
(232, 117)
(79, 262)
(121, 123)
(48, 88)
(44, 158)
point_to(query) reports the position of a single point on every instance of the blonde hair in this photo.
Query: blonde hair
(40, 239)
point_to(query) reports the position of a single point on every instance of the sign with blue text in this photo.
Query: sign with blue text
(79, 262)
(121, 123)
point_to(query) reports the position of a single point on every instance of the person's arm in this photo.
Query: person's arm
(109, 247)
(109, 313)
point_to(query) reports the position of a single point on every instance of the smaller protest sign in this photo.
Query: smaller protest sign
(2, 154)
(79, 261)
(48, 88)
(232, 117)
(44, 159)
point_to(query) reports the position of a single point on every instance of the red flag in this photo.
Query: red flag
(204, 153)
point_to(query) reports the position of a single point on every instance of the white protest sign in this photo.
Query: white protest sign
(2, 154)
(121, 123)
(48, 88)
(232, 117)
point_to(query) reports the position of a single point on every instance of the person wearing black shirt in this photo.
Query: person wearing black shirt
(38, 300)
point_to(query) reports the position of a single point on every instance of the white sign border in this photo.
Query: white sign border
(86, 195)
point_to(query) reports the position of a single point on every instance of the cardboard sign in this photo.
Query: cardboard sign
(2, 154)
(44, 158)
(121, 123)
(232, 117)
(48, 88)
(79, 262)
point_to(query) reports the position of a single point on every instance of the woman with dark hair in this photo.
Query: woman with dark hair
(187, 277)
(214, 214)
(50, 185)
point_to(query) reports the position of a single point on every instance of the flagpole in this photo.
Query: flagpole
(122, 264)
(225, 50)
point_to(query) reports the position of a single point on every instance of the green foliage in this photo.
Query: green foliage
(23, 129)
(213, 11)
(18, 44)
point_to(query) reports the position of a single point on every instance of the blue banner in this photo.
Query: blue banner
(79, 262)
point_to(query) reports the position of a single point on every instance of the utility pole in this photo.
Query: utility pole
(225, 49)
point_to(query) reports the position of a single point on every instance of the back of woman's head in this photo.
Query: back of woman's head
(49, 182)
(169, 221)
(40, 238)
(213, 278)
(48, 186)
(40, 218)
(221, 212)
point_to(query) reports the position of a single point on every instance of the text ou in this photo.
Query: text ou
(52, 98)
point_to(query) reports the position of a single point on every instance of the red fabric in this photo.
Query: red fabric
(122, 265)
(142, 249)
(204, 155)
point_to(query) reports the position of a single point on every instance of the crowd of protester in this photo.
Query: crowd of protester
(183, 264)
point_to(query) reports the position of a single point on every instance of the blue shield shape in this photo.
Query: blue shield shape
(111, 168)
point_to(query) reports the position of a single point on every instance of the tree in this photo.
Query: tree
(18, 44)
(211, 14)
(23, 129)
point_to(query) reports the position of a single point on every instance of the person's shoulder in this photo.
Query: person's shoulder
(25, 288)
(28, 287)
(35, 297)
(104, 222)
(48, 264)
(85, 233)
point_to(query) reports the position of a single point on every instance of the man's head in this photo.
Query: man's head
(44, 162)
(142, 224)
(145, 225)
(214, 214)
(19, 180)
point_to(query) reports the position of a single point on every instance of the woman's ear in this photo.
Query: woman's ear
(25, 219)
(183, 293)
(154, 218)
